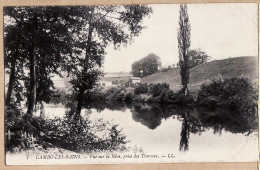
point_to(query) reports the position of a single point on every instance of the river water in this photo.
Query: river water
(178, 134)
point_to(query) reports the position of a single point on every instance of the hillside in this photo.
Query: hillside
(227, 68)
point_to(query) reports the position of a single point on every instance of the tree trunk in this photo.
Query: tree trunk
(11, 83)
(80, 101)
(85, 69)
(12, 74)
(32, 88)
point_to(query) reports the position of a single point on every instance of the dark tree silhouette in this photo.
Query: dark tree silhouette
(100, 25)
(183, 45)
(42, 40)
(185, 134)
(146, 66)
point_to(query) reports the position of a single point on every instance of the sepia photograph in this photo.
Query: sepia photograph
(117, 84)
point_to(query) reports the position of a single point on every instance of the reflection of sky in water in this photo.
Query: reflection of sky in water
(165, 138)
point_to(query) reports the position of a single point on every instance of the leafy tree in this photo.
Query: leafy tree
(42, 43)
(184, 44)
(100, 25)
(197, 57)
(146, 66)
(74, 37)
(14, 53)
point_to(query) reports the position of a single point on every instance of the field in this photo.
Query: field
(227, 68)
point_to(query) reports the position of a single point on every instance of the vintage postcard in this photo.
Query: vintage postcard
(113, 84)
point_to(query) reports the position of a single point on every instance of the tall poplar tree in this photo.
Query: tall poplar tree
(183, 45)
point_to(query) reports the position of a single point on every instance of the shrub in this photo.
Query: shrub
(129, 97)
(110, 91)
(141, 89)
(168, 96)
(119, 96)
(72, 133)
(140, 98)
(157, 89)
(235, 93)
(183, 99)
(94, 95)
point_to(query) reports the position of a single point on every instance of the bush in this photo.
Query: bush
(141, 98)
(111, 91)
(95, 94)
(235, 94)
(141, 89)
(168, 96)
(117, 94)
(73, 133)
(129, 97)
(157, 89)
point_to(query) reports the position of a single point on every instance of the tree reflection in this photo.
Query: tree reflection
(185, 134)
(194, 120)
(232, 121)
(146, 115)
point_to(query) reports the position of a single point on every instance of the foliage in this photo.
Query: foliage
(41, 41)
(95, 94)
(141, 89)
(116, 94)
(128, 97)
(234, 93)
(72, 133)
(157, 89)
(178, 98)
(183, 45)
(103, 25)
(165, 69)
(153, 93)
(110, 92)
(146, 66)
(47, 40)
(197, 57)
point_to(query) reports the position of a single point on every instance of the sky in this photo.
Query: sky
(220, 30)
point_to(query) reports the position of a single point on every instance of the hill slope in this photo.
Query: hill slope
(227, 68)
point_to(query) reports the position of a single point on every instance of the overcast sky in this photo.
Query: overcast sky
(221, 30)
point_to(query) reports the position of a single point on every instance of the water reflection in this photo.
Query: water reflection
(225, 120)
(193, 120)
(185, 134)
(146, 115)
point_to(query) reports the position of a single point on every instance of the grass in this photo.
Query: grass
(227, 68)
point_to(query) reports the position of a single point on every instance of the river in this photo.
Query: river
(188, 135)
